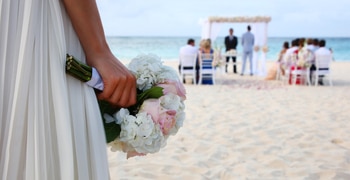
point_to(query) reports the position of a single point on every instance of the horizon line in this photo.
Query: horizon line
(175, 36)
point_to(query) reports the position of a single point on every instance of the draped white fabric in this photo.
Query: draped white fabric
(205, 28)
(215, 30)
(50, 124)
(209, 30)
(260, 36)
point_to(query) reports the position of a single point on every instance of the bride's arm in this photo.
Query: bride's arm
(119, 83)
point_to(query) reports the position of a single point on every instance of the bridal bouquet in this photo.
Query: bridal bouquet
(159, 112)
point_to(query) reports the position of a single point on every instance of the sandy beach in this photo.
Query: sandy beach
(245, 127)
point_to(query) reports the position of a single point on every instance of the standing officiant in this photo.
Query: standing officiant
(231, 44)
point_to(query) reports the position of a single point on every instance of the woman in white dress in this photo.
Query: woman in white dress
(50, 124)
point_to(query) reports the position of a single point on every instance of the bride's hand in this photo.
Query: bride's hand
(119, 83)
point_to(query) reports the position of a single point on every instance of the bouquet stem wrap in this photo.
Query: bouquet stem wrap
(84, 72)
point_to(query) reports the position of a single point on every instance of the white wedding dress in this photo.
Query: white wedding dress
(50, 124)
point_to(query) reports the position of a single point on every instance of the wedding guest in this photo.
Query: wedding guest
(231, 44)
(294, 47)
(288, 61)
(272, 73)
(189, 49)
(205, 47)
(316, 44)
(301, 43)
(50, 126)
(247, 43)
(284, 49)
(322, 50)
(206, 53)
(310, 46)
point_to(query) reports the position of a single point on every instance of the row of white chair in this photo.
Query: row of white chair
(188, 67)
(293, 73)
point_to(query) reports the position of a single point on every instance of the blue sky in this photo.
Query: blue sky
(297, 18)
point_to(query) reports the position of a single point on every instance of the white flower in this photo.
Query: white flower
(171, 101)
(141, 133)
(180, 117)
(146, 69)
(167, 73)
(121, 115)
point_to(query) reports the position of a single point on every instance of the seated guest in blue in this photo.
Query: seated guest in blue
(206, 52)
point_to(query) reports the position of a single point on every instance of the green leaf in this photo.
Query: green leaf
(112, 130)
(154, 92)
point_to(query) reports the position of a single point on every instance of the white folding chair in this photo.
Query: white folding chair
(188, 66)
(322, 63)
(292, 72)
(288, 61)
(206, 70)
(301, 71)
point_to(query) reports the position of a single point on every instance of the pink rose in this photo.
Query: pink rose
(175, 87)
(167, 120)
(164, 117)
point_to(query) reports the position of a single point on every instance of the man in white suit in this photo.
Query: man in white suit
(247, 43)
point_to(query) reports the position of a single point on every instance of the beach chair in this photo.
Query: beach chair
(323, 63)
(188, 66)
(206, 70)
(288, 61)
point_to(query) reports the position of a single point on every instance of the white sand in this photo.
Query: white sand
(248, 128)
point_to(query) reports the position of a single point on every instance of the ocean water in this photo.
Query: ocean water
(167, 48)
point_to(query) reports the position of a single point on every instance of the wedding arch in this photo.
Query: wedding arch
(259, 24)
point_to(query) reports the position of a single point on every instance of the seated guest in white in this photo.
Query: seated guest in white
(294, 47)
(322, 50)
(316, 44)
(190, 49)
(310, 46)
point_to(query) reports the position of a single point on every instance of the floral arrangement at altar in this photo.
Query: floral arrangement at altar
(217, 60)
(265, 49)
(159, 112)
(231, 52)
(256, 48)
